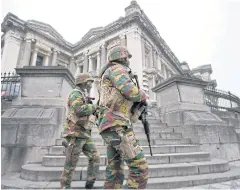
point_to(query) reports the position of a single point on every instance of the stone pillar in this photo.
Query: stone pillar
(103, 55)
(164, 71)
(85, 66)
(72, 66)
(150, 64)
(90, 64)
(122, 40)
(154, 58)
(159, 63)
(143, 52)
(134, 46)
(150, 86)
(38, 114)
(181, 97)
(98, 61)
(54, 59)
(77, 70)
(46, 59)
(34, 57)
(25, 61)
(12, 44)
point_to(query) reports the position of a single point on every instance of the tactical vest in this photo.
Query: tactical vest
(111, 99)
(79, 121)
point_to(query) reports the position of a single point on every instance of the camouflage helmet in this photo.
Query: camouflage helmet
(117, 53)
(82, 78)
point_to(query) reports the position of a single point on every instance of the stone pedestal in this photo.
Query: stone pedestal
(36, 118)
(182, 105)
(182, 102)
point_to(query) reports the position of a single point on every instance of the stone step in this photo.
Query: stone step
(156, 149)
(170, 135)
(140, 135)
(143, 141)
(151, 121)
(13, 181)
(154, 129)
(171, 141)
(139, 128)
(99, 141)
(57, 161)
(37, 172)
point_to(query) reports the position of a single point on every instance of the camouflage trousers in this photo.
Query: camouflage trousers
(138, 167)
(87, 146)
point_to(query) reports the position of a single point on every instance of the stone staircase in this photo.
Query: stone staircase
(175, 163)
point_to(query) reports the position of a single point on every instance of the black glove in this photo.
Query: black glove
(89, 101)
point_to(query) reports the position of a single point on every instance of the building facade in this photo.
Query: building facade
(32, 43)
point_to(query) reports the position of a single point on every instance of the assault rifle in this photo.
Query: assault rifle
(143, 117)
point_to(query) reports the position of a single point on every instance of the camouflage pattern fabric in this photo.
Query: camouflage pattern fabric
(117, 53)
(82, 78)
(117, 76)
(138, 167)
(89, 149)
(77, 104)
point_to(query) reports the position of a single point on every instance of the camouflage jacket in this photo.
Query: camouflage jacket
(77, 108)
(116, 76)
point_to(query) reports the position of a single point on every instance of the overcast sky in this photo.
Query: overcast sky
(198, 31)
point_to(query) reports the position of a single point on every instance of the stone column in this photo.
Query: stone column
(54, 59)
(72, 66)
(122, 40)
(159, 63)
(46, 59)
(25, 61)
(150, 86)
(85, 66)
(154, 58)
(78, 70)
(103, 55)
(98, 61)
(164, 71)
(150, 64)
(143, 52)
(90, 64)
(34, 57)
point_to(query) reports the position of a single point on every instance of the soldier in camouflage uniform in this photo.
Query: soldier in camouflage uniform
(77, 133)
(117, 94)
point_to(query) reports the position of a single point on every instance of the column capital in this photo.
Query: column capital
(56, 51)
(86, 52)
(35, 49)
(48, 54)
(89, 57)
(104, 45)
(28, 40)
(121, 36)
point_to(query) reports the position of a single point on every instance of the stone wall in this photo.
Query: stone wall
(36, 118)
(27, 134)
(220, 140)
